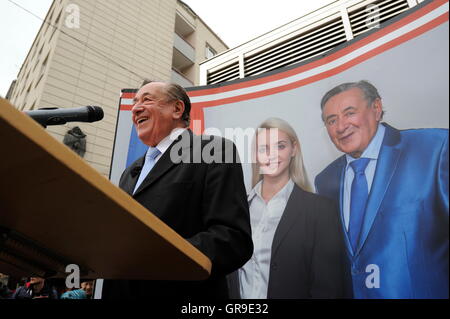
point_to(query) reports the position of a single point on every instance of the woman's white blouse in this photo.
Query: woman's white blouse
(264, 218)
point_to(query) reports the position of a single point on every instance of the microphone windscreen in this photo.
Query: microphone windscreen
(95, 113)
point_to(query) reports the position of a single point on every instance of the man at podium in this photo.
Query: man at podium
(192, 183)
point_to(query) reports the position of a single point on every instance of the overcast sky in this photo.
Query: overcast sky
(234, 21)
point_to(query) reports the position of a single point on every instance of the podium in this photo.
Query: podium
(56, 210)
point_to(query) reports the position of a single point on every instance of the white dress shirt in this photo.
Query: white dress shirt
(264, 218)
(372, 151)
(168, 140)
(162, 146)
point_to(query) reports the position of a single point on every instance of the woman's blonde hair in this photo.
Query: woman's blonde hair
(296, 168)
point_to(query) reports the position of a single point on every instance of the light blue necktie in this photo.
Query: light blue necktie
(150, 156)
(358, 200)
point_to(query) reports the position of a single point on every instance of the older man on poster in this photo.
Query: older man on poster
(202, 199)
(392, 188)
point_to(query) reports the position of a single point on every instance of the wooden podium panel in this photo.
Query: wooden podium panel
(54, 199)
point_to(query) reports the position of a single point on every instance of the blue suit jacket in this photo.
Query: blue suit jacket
(406, 225)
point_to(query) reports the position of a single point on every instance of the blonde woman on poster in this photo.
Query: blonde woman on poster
(298, 245)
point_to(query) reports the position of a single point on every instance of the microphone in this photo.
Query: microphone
(58, 116)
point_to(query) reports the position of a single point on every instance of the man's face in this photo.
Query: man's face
(87, 286)
(350, 121)
(154, 116)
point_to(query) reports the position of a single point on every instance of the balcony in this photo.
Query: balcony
(178, 78)
(184, 22)
(183, 53)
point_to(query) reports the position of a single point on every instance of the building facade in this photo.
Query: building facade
(306, 37)
(87, 51)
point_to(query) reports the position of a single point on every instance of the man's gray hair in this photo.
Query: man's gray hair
(177, 92)
(370, 92)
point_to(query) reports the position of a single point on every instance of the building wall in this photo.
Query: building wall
(204, 37)
(118, 44)
(198, 40)
(32, 75)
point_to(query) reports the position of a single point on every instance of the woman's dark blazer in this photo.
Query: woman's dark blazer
(308, 257)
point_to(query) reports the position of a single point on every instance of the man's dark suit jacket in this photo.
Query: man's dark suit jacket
(203, 202)
(308, 256)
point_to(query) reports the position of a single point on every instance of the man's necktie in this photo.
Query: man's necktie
(150, 156)
(359, 195)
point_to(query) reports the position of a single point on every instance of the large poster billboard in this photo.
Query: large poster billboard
(406, 60)
(400, 71)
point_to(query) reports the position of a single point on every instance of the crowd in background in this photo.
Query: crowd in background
(41, 288)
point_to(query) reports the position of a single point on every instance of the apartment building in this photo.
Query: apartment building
(306, 37)
(87, 51)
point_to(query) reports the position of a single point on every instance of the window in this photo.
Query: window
(39, 80)
(29, 89)
(50, 18)
(38, 59)
(44, 64)
(209, 52)
(53, 33)
(57, 19)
